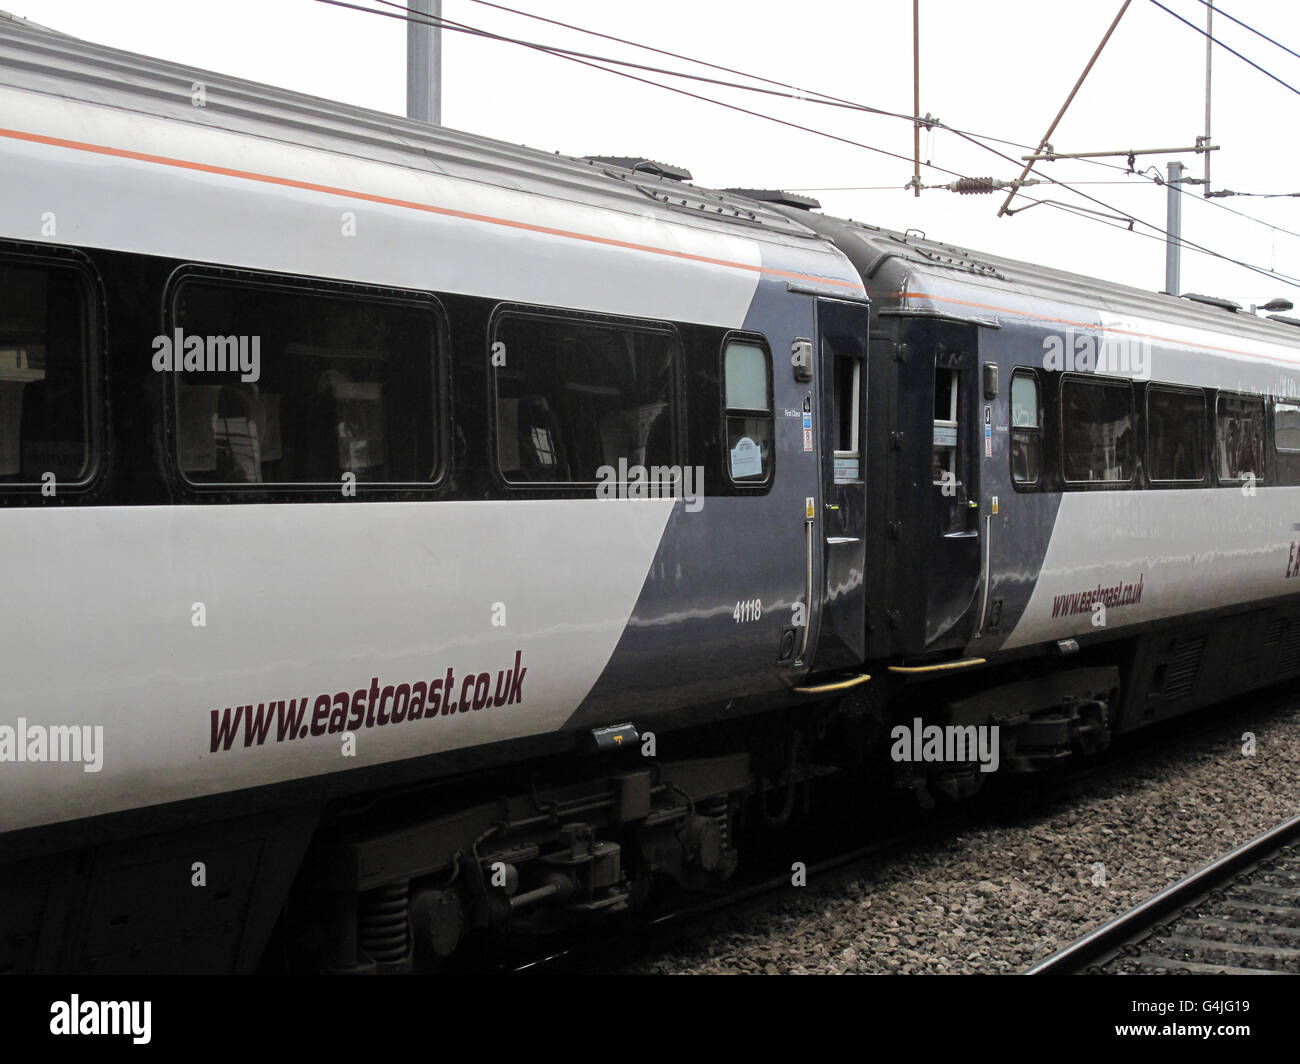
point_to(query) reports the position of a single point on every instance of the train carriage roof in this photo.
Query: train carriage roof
(157, 158)
(34, 57)
(909, 273)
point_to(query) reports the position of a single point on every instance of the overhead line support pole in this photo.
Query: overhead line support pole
(1174, 228)
(916, 97)
(424, 61)
(1209, 56)
(1064, 107)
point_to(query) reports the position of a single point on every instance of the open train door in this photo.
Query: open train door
(842, 329)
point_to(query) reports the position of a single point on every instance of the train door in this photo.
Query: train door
(842, 329)
(953, 561)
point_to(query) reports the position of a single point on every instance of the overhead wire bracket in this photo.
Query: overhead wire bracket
(1064, 107)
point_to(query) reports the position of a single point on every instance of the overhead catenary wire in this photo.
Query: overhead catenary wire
(816, 96)
(651, 48)
(1182, 241)
(1283, 278)
(1259, 195)
(805, 95)
(1142, 175)
(895, 188)
(596, 64)
(594, 61)
(1159, 179)
(808, 96)
(1206, 33)
(405, 14)
(1259, 33)
(802, 95)
(786, 91)
(1123, 223)
(1113, 211)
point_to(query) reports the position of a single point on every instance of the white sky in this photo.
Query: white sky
(999, 67)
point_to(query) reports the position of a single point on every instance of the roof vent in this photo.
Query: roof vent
(643, 166)
(1284, 319)
(1213, 301)
(774, 195)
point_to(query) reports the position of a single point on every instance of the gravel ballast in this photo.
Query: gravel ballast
(997, 897)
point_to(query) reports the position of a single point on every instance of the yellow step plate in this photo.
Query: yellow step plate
(838, 685)
(943, 666)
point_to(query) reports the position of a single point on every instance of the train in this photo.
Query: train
(410, 538)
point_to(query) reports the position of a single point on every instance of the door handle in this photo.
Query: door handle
(809, 512)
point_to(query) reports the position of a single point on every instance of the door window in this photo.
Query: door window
(945, 472)
(749, 412)
(1026, 429)
(843, 330)
(848, 417)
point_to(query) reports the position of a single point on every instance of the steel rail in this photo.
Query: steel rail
(1105, 942)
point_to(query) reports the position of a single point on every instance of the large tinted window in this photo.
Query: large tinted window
(44, 404)
(573, 396)
(1097, 431)
(279, 385)
(1239, 438)
(1175, 435)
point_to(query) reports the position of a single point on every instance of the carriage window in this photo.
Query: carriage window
(1097, 431)
(1026, 429)
(574, 397)
(44, 406)
(1286, 441)
(278, 385)
(1286, 428)
(749, 412)
(1239, 439)
(1175, 435)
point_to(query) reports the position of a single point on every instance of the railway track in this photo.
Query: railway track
(1238, 915)
(829, 865)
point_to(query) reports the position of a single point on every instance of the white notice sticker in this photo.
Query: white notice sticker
(746, 459)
